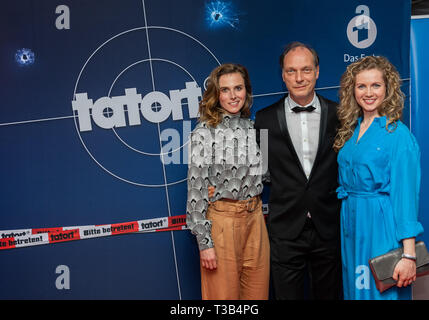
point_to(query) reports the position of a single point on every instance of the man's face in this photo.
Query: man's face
(300, 74)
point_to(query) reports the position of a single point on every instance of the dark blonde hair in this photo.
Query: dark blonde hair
(210, 109)
(349, 111)
(296, 44)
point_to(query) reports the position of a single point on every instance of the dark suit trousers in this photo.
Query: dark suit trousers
(307, 257)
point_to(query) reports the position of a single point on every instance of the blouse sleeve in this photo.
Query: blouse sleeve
(405, 187)
(197, 200)
(262, 142)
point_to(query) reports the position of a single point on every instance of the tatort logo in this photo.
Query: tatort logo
(155, 107)
(361, 30)
(134, 117)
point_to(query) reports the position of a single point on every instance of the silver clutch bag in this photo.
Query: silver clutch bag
(382, 267)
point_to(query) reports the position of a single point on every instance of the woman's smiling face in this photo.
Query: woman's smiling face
(370, 90)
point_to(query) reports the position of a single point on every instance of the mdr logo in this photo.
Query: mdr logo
(138, 117)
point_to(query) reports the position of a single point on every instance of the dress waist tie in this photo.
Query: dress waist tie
(344, 194)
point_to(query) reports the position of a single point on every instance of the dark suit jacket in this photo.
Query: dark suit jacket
(291, 194)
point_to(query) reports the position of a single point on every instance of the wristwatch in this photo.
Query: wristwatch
(408, 256)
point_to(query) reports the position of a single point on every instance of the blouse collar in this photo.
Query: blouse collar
(380, 120)
(230, 116)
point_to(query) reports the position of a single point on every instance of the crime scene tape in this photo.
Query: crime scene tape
(19, 238)
(11, 239)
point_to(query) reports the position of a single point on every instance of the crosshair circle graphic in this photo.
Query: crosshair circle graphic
(154, 107)
(150, 60)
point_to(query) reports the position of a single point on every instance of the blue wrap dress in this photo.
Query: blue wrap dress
(379, 178)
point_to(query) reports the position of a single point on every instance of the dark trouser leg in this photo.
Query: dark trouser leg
(325, 268)
(290, 260)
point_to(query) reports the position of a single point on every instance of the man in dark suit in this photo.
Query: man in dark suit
(304, 211)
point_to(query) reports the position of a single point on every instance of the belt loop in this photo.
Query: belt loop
(253, 202)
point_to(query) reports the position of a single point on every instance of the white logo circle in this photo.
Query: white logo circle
(361, 30)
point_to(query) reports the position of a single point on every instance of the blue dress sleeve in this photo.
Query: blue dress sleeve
(405, 184)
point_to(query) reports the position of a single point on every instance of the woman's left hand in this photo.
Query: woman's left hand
(405, 272)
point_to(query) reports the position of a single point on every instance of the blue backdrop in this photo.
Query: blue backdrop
(420, 101)
(96, 93)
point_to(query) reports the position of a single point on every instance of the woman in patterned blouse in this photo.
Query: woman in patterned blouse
(230, 228)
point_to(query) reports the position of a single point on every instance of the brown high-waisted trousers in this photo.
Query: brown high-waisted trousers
(242, 250)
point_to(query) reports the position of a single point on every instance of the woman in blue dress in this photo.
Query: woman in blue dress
(379, 178)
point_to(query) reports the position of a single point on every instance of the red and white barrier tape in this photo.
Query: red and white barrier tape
(10, 239)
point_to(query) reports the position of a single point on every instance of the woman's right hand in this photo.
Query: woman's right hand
(208, 258)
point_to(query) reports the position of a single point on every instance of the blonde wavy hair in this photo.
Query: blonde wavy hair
(210, 109)
(349, 111)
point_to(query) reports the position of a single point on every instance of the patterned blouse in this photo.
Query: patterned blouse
(226, 157)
